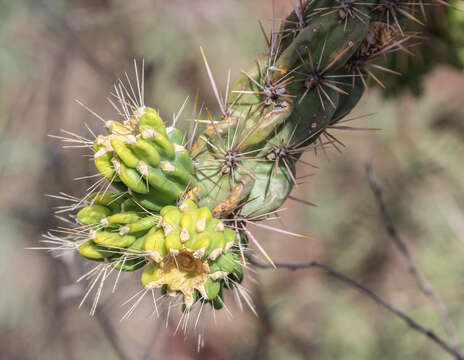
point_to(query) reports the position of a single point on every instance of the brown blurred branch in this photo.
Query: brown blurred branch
(424, 285)
(55, 99)
(371, 294)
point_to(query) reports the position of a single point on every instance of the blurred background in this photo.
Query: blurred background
(53, 52)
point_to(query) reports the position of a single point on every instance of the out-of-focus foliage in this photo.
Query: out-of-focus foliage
(68, 50)
(441, 42)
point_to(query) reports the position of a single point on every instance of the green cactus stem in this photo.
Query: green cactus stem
(144, 157)
(314, 74)
(184, 249)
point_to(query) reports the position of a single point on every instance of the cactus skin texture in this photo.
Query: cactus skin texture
(280, 106)
(184, 249)
(316, 71)
(116, 228)
(144, 157)
(192, 254)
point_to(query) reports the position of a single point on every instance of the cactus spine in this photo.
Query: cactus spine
(144, 157)
(186, 249)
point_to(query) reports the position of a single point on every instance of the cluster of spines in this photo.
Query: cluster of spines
(244, 166)
(186, 237)
(191, 240)
(142, 156)
(116, 229)
(315, 72)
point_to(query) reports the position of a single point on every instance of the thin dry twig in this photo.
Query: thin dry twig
(424, 285)
(372, 295)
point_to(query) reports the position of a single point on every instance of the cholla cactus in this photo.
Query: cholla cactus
(186, 249)
(142, 156)
(192, 252)
(444, 34)
(181, 213)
